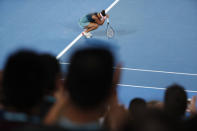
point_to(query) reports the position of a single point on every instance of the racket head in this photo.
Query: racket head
(110, 31)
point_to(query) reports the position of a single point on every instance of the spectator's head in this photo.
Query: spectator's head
(90, 77)
(23, 81)
(53, 72)
(137, 108)
(175, 101)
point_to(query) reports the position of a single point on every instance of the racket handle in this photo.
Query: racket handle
(107, 20)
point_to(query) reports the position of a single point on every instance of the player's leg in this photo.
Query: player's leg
(88, 26)
(84, 24)
(91, 26)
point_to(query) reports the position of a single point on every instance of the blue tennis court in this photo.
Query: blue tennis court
(156, 39)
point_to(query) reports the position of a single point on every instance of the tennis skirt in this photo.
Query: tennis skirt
(83, 22)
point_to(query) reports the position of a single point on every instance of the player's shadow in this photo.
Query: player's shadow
(119, 32)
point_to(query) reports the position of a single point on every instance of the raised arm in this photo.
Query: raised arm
(98, 21)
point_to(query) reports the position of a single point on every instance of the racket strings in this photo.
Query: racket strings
(110, 31)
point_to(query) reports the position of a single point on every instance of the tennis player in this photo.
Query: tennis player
(92, 21)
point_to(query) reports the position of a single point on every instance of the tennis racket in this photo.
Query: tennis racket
(109, 30)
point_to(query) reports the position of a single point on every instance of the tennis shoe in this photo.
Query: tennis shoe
(89, 34)
(86, 34)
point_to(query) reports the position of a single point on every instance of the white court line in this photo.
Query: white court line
(69, 46)
(158, 71)
(153, 71)
(149, 87)
(80, 35)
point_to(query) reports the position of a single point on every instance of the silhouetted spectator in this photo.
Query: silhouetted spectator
(24, 82)
(137, 108)
(175, 104)
(90, 82)
(175, 101)
(53, 71)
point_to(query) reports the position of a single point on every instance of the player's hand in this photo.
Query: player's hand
(107, 15)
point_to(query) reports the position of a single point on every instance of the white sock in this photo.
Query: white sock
(89, 34)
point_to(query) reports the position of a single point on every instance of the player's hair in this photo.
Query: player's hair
(89, 77)
(103, 13)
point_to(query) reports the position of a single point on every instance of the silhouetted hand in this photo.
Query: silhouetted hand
(192, 106)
